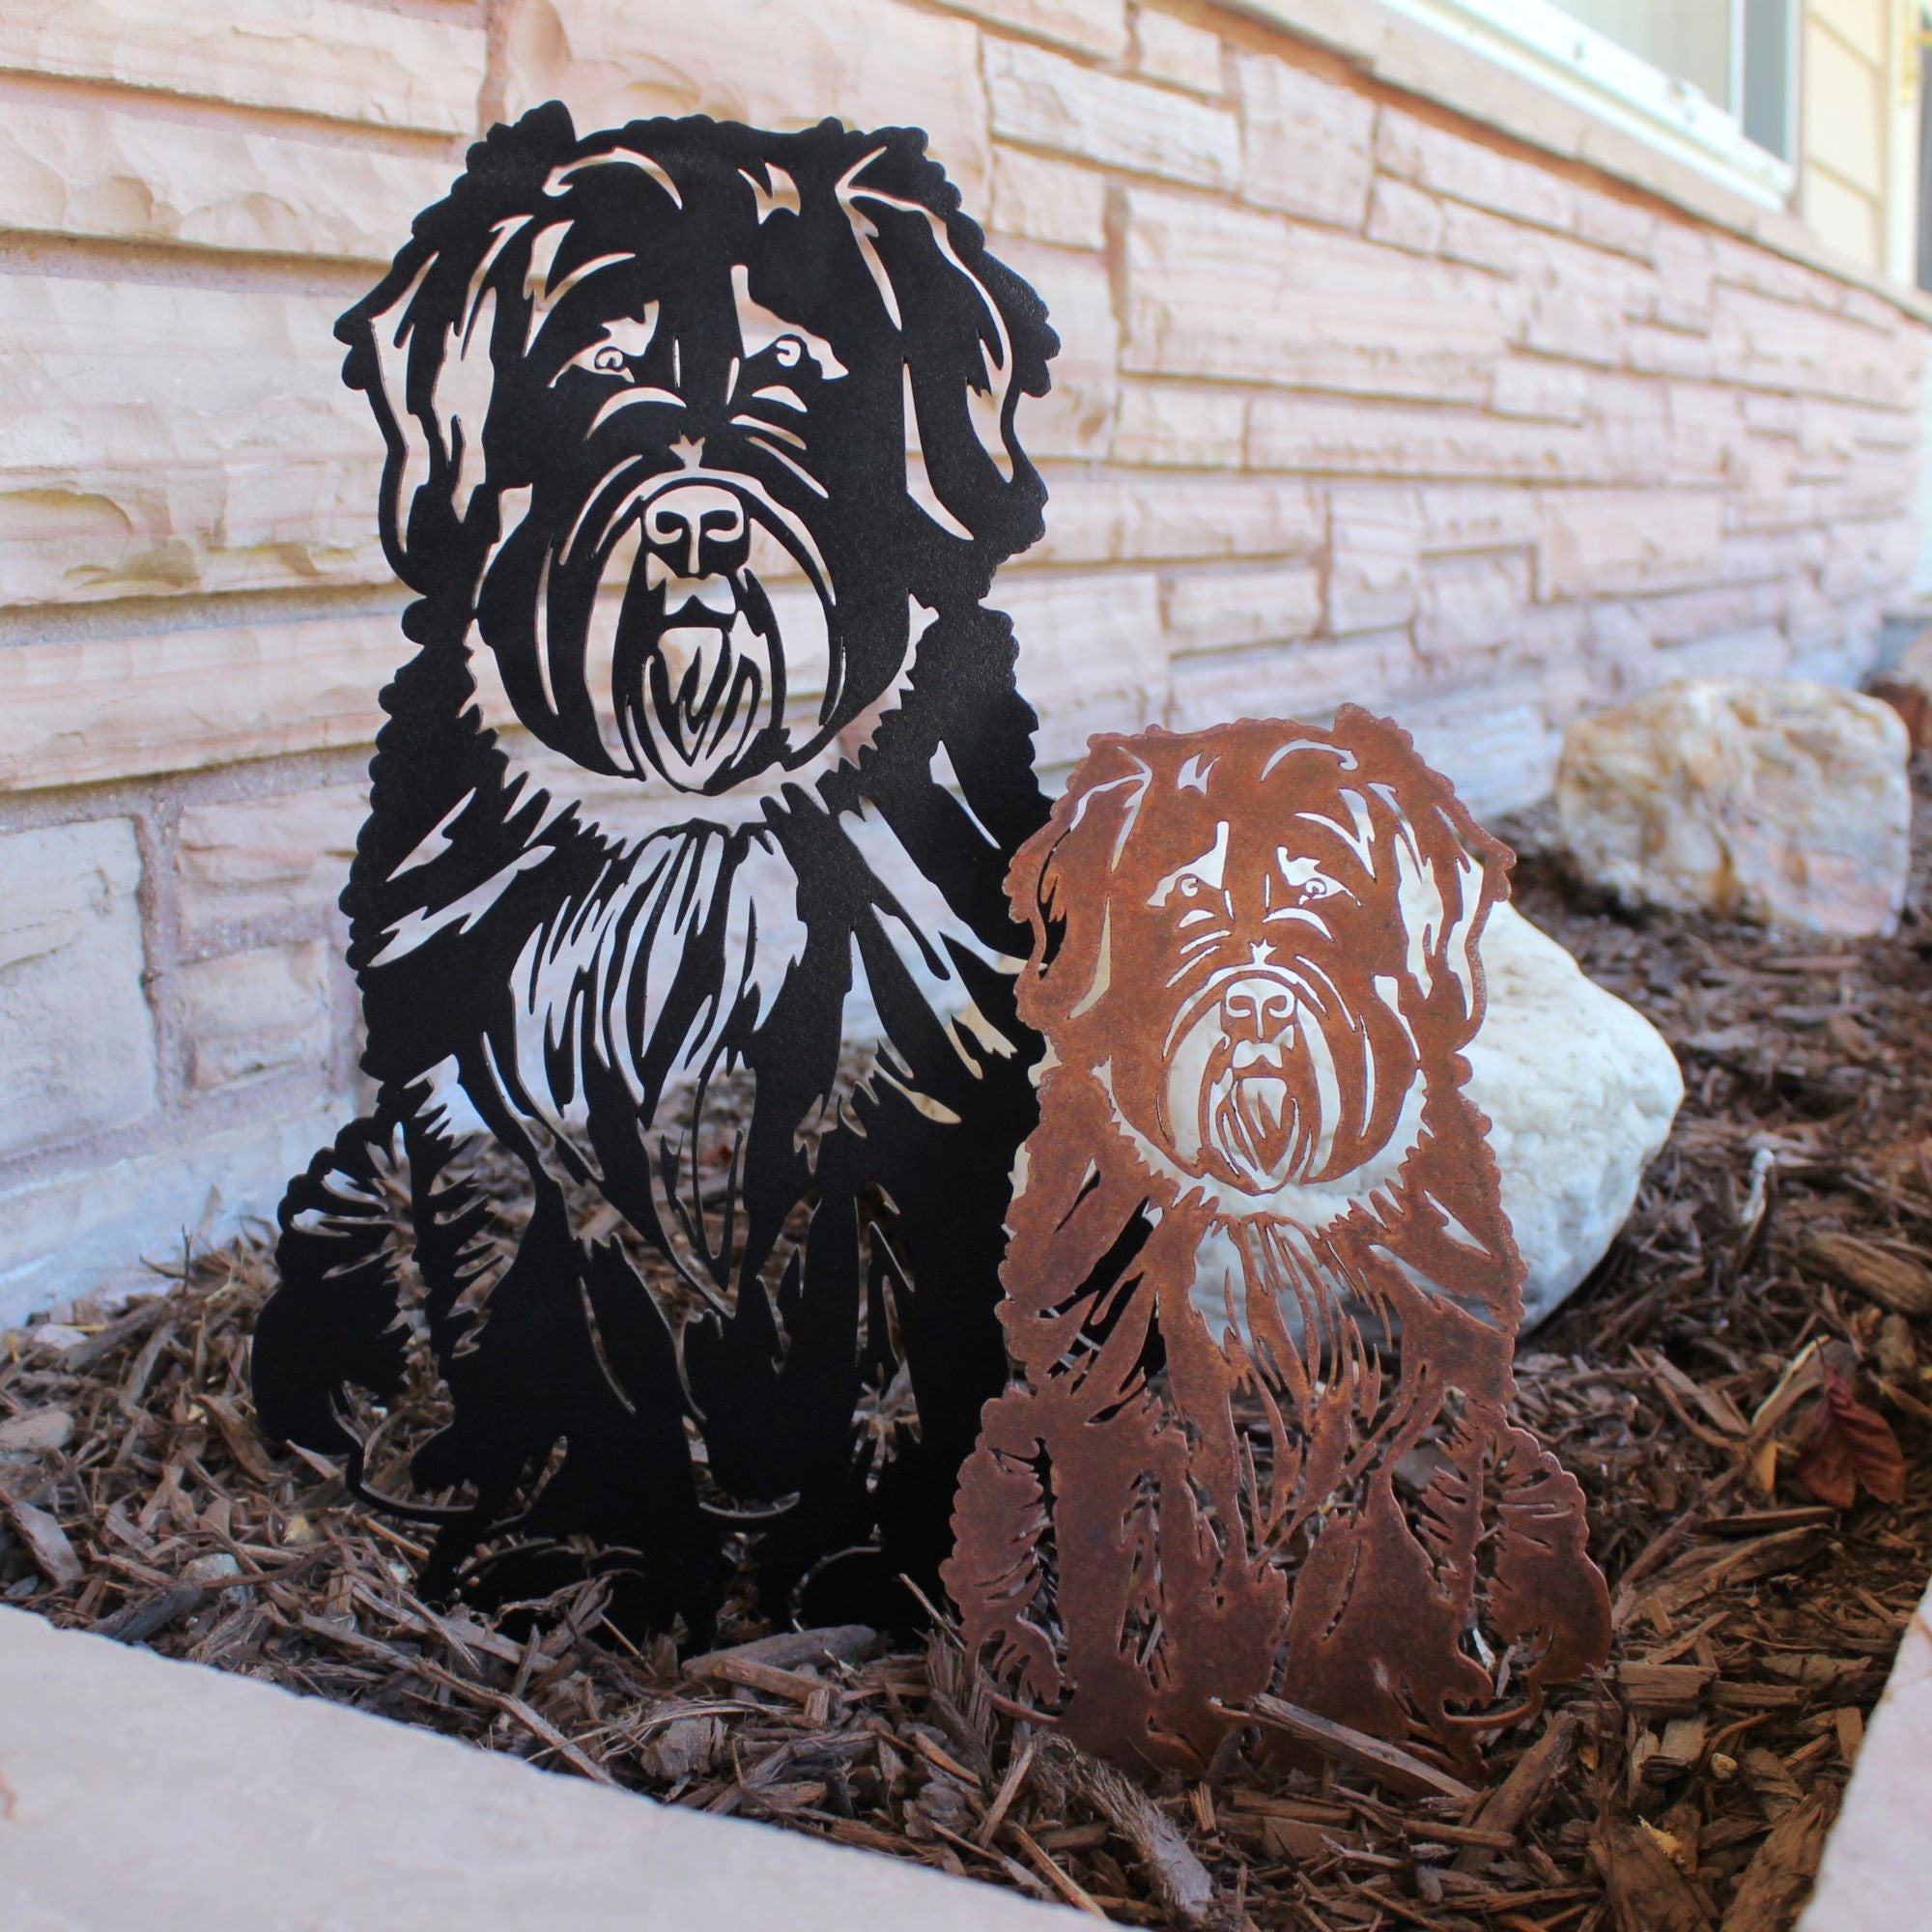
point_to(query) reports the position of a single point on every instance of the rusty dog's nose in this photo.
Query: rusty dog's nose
(699, 527)
(1257, 1010)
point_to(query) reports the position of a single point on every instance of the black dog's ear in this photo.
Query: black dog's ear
(419, 343)
(974, 337)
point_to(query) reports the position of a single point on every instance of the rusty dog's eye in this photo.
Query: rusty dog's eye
(1190, 887)
(1317, 888)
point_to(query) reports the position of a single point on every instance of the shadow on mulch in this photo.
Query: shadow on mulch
(1777, 1246)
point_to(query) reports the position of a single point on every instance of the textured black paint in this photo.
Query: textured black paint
(534, 424)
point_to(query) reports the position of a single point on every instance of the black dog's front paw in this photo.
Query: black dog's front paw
(332, 1324)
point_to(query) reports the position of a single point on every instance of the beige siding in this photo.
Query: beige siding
(1850, 100)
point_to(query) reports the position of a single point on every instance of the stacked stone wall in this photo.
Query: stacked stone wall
(1357, 400)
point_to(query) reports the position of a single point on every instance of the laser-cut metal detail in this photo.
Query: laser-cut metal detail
(1261, 1296)
(648, 398)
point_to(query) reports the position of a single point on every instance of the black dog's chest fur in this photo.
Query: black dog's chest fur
(626, 384)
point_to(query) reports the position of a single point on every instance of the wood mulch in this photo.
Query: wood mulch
(1751, 1356)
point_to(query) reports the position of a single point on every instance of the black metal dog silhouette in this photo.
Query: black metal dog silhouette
(701, 458)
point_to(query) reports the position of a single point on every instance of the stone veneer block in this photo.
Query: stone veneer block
(82, 710)
(79, 1054)
(259, 1012)
(96, 1228)
(1307, 143)
(242, 862)
(1171, 50)
(1097, 27)
(872, 63)
(1108, 670)
(1046, 200)
(1217, 609)
(84, 164)
(160, 439)
(1240, 297)
(324, 57)
(1042, 100)
(142, 1791)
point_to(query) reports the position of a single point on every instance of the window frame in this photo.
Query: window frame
(1539, 40)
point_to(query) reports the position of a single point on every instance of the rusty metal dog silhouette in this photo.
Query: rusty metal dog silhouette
(701, 455)
(1260, 1292)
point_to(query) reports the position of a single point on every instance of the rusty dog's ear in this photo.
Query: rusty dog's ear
(1449, 874)
(973, 339)
(419, 343)
(1060, 883)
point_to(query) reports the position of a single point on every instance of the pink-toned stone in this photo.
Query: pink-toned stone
(324, 57)
(1604, 543)
(1375, 567)
(1125, 520)
(1092, 659)
(1298, 681)
(1077, 416)
(1770, 799)
(1469, 604)
(159, 438)
(1174, 52)
(1358, 438)
(84, 164)
(1047, 200)
(1168, 423)
(1465, 169)
(255, 1012)
(872, 63)
(1530, 386)
(252, 862)
(1215, 609)
(1401, 217)
(1097, 27)
(88, 709)
(80, 1042)
(1307, 142)
(1242, 297)
(1043, 100)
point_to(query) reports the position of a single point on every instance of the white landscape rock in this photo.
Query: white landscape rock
(1580, 1091)
(1767, 798)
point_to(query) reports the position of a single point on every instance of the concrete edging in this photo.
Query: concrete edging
(136, 1790)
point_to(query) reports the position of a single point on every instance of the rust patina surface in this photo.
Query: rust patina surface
(1261, 1293)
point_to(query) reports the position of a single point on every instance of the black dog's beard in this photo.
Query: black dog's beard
(699, 676)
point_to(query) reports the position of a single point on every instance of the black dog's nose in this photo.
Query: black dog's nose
(699, 527)
(1256, 1008)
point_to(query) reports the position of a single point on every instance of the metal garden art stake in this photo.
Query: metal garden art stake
(648, 398)
(1261, 1296)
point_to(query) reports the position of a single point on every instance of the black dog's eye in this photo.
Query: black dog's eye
(609, 361)
(789, 351)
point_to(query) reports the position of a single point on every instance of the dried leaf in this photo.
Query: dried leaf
(1849, 1446)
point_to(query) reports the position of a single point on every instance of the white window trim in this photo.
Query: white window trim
(1540, 41)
